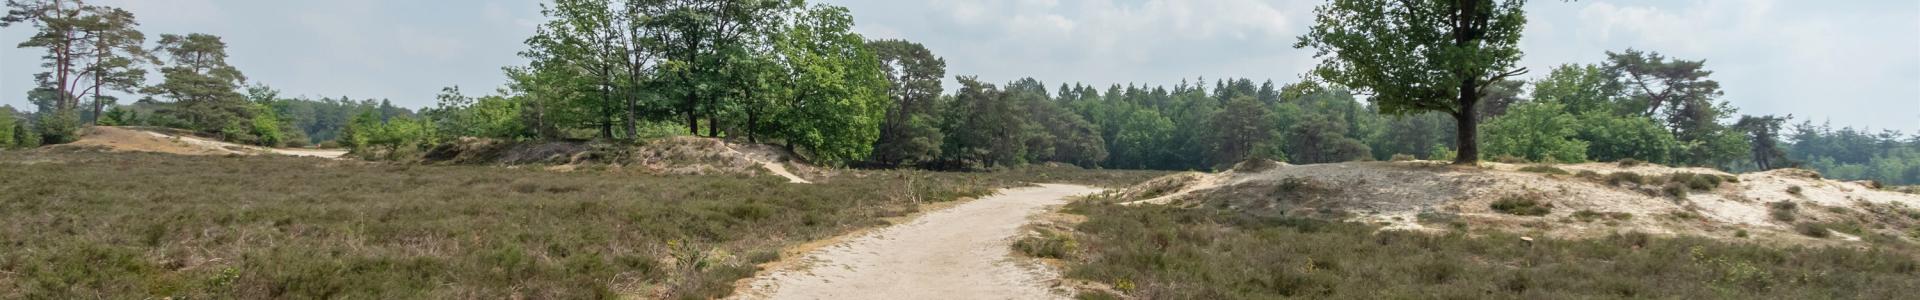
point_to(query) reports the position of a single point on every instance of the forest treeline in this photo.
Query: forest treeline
(788, 73)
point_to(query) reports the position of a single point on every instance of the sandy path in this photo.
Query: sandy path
(963, 252)
(781, 170)
(213, 145)
(321, 153)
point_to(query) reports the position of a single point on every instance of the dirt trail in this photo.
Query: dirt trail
(963, 252)
(781, 170)
(768, 160)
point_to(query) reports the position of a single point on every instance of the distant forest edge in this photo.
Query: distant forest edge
(787, 73)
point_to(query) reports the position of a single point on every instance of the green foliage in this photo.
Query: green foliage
(264, 129)
(1048, 244)
(491, 116)
(202, 85)
(1783, 211)
(1581, 89)
(1412, 134)
(1618, 178)
(1522, 205)
(1677, 190)
(840, 93)
(1539, 131)
(984, 127)
(1612, 137)
(1440, 152)
(7, 127)
(1239, 129)
(1320, 140)
(910, 134)
(1695, 181)
(1855, 154)
(57, 128)
(24, 136)
(1812, 230)
(396, 138)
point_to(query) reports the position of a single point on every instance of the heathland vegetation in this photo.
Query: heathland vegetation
(424, 208)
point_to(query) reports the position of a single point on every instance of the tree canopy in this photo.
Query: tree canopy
(1420, 56)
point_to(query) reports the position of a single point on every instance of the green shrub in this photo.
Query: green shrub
(1618, 178)
(1812, 230)
(1590, 215)
(1440, 153)
(6, 129)
(1522, 206)
(1675, 189)
(58, 128)
(1048, 244)
(1782, 211)
(1587, 215)
(1702, 182)
(1795, 190)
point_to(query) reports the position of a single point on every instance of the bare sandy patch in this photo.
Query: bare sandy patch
(960, 252)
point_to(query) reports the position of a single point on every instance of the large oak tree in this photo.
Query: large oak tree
(1416, 56)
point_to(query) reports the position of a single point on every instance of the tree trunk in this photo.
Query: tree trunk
(753, 119)
(95, 120)
(713, 121)
(1468, 130)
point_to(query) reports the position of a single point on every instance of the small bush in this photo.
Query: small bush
(1812, 230)
(1702, 182)
(1783, 211)
(1795, 190)
(1048, 244)
(1544, 169)
(1590, 215)
(1522, 206)
(1675, 190)
(1683, 215)
(1623, 216)
(1587, 215)
(1618, 178)
(1590, 175)
(1742, 233)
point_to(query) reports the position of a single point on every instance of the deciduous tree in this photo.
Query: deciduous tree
(1422, 55)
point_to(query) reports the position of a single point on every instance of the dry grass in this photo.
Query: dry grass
(152, 226)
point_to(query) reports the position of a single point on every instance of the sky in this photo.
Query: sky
(1853, 63)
